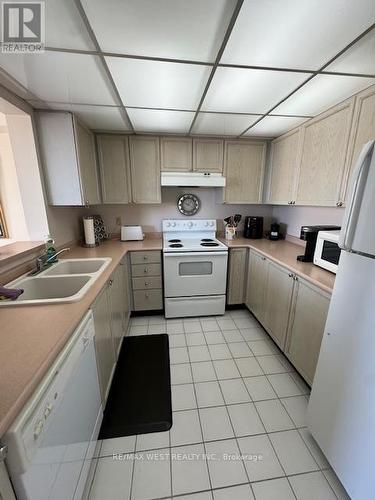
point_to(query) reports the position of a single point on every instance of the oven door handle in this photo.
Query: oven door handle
(196, 254)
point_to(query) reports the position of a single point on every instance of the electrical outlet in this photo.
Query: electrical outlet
(118, 221)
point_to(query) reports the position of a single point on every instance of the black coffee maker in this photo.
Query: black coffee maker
(310, 235)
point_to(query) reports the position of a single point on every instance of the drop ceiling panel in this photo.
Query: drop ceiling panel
(64, 26)
(160, 121)
(222, 124)
(320, 93)
(296, 33)
(96, 117)
(249, 91)
(273, 126)
(177, 29)
(61, 77)
(358, 59)
(152, 84)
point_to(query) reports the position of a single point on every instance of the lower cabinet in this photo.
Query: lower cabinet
(277, 302)
(105, 353)
(111, 316)
(256, 284)
(147, 285)
(306, 327)
(292, 310)
(236, 276)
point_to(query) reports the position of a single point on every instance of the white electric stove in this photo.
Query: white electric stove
(195, 268)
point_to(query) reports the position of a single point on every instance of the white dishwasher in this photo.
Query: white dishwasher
(52, 442)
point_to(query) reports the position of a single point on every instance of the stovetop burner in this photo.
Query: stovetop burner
(176, 245)
(174, 241)
(206, 239)
(210, 244)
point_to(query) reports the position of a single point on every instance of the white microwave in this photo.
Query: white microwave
(327, 250)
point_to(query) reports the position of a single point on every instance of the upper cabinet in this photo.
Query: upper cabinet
(113, 152)
(363, 130)
(69, 159)
(323, 155)
(145, 169)
(244, 171)
(283, 169)
(176, 154)
(208, 155)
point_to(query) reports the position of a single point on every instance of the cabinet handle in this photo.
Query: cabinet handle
(146, 295)
(293, 202)
(145, 270)
(263, 258)
(110, 282)
(147, 284)
(291, 275)
(145, 257)
(339, 204)
(290, 202)
(295, 278)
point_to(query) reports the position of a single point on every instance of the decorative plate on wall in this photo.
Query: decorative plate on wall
(188, 204)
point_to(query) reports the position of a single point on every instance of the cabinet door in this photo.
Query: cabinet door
(113, 151)
(323, 154)
(85, 145)
(306, 327)
(244, 170)
(256, 284)
(116, 291)
(363, 130)
(283, 169)
(126, 299)
(236, 275)
(278, 297)
(176, 154)
(105, 354)
(208, 155)
(145, 169)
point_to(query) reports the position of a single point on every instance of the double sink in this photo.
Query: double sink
(66, 281)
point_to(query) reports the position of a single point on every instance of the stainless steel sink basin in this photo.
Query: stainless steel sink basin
(66, 281)
(77, 266)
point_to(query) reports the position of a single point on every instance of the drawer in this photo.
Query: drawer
(146, 270)
(145, 257)
(144, 300)
(146, 283)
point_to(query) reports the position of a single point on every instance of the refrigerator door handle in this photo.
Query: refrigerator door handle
(354, 205)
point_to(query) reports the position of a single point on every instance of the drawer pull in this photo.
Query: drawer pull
(145, 257)
(146, 295)
(145, 270)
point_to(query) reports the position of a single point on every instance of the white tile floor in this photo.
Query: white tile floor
(234, 394)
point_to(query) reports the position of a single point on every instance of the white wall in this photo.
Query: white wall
(150, 216)
(295, 217)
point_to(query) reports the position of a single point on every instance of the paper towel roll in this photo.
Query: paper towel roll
(88, 226)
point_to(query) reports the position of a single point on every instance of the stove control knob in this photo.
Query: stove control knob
(211, 223)
(190, 224)
(206, 224)
(168, 224)
(174, 224)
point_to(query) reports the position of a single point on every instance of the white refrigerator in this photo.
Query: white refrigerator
(341, 413)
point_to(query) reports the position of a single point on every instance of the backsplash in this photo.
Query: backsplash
(295, 217)
(150, 216)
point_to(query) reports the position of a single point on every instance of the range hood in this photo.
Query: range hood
(192, 179)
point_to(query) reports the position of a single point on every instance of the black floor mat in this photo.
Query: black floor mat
(139, 400)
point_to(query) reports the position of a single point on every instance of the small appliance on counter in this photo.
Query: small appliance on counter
(327, 251)
(131, 233)
(253, 227)
(310, 235)
(275, 232)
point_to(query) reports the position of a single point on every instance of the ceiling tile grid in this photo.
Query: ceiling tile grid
(153, 61)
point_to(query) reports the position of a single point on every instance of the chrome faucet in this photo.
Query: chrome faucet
(43, 261)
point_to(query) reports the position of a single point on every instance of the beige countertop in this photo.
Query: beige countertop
(285, 253)
(31, 337)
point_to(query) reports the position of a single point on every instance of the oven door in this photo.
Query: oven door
(195, 273)
(327, 253)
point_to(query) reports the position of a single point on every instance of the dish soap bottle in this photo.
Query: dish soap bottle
(50, 249)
